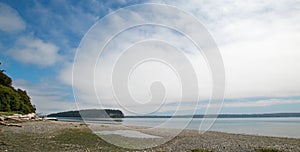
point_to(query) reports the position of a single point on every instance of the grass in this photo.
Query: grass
(132, 143)
(84, 139)
(64, 140)
(74, 136)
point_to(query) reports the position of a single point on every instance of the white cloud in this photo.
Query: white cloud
(258, 42)
(261, 103)
(144, 75)
(10, 21)
(31, 50)
(189, 106)
(47, 98)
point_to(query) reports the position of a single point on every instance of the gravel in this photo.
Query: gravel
(71, 136)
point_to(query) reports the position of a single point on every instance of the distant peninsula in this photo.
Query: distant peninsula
(90, 113)
(263, 115)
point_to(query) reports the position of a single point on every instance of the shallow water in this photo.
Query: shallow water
(126, 133)
(278, 127)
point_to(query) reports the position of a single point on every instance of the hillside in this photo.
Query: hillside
(11, 99)
(90, 113)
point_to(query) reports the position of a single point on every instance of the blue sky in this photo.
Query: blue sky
(257, 40)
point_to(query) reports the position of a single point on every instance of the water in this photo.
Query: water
(278, 127)
(127, 133)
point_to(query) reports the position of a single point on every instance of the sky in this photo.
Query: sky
(41, 41)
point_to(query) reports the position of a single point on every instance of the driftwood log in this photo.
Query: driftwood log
(10, 120)
(14, 119)
(15, 125)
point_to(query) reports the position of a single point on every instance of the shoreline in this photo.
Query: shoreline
(212, 140)
(187, 129)
(244, 132)
(76, 136)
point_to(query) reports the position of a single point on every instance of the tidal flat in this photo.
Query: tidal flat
(73, 136)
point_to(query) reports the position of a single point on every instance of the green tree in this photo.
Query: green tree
(25, 99)
(12, 99)
(4, 79)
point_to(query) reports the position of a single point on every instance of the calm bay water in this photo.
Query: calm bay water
(278, 127)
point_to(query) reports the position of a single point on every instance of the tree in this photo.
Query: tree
(1, 69)
(4, 79)
(12, 99)
(25, 99)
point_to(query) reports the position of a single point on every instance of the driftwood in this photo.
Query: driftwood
(51, 119)
(15, 125)
(10, 118)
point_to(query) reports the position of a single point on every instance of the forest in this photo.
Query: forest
(12, 99)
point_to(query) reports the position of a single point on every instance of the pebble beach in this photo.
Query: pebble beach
(72, 136)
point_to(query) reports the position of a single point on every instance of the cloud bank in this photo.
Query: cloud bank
(32, 50)
(258, 42)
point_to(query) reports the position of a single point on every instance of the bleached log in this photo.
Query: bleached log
(51, 119)
(12, 118)
(14, 125)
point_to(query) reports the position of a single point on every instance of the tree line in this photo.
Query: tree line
(90, 113)
(11, 99)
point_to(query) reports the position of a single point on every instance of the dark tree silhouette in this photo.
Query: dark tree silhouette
(90, 113)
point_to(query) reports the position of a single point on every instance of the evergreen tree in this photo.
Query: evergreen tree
(12, 99)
